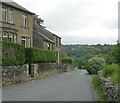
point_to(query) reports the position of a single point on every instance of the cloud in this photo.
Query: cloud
(110, 23)
(6, 0)
(90, 36)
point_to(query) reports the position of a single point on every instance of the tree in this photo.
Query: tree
(116, 53)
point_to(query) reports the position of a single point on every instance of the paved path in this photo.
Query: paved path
(68, 86)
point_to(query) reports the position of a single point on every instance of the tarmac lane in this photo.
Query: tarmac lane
(69, 86)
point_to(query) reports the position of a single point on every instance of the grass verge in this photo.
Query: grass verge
(98, 87)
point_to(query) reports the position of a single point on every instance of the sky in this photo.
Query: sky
(78, 21)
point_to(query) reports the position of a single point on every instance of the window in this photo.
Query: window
(5, 36)
(23, 40)
(10, 16)
(7, 15)
(25, 22)
(15, 38)
(48, 44)
(10, 38)
(4, 15)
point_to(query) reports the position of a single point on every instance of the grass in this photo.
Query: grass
(111, 71)
(98, 87)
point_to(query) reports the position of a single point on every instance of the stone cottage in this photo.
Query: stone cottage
(42, 38)
(21, 26)
(17, 24)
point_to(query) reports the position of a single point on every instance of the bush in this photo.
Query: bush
(95, 64)
(111, 71)
(83, 61)
(36, 55)
(12, 53)
(67, 60)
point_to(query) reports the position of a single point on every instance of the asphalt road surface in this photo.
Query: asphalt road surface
(69, 86)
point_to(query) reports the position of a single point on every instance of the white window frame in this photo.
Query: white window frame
(10, 16)
(24, 39)
(10, 38)
(48, 45)
(25, 21)
(5, 16)
(5, 35)
(15, 36)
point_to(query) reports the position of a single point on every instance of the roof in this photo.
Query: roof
(45, 38)
(17, 6)
(43, 31)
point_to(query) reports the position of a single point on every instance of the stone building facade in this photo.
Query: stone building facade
(17, 24)
(44, 39)
(24, 27)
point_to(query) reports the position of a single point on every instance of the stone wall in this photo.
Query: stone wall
(14, 74)
(111, 91)
(23, 73)
(43, 70)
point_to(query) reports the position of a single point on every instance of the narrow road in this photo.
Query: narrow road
(69, 86)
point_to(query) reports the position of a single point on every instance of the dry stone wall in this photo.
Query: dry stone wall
(14, 74)
(23, 73)
(43, 70)
(111, 92)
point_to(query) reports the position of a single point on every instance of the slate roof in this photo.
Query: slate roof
(41, 30)
(46, 38)
(17, 6)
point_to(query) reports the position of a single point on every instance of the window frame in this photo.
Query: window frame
(24, 21)
(23, 38)
(10, 16)
(4, 19)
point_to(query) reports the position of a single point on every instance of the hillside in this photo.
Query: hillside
(82, 50)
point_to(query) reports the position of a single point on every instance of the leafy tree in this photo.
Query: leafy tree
(116, 53)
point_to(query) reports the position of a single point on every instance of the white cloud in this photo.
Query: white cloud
(78, 21)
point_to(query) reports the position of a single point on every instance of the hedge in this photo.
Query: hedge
(12, 53)
(67, 60)
(36, 55)
(16, 54)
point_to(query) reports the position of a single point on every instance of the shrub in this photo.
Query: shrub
(12, 53)
(95, 64)
(36, 55)
(67, 60)
(82, 63)
(111, 71)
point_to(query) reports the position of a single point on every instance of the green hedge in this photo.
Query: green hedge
(12, 53)
(67, 60)
(36, 55)
(16, 54)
